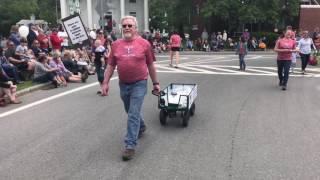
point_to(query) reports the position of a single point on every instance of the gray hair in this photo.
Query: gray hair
(132, 18)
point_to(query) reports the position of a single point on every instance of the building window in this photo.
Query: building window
(134, 14)
(132, 1)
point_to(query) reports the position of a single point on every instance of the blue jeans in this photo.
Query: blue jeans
(283, 71)
(132, 96)
(242, 63)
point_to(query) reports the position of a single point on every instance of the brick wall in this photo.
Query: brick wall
(309, 17)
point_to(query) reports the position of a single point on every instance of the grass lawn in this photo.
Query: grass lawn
(25, 85)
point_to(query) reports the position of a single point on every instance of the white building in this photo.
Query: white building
(91, 11)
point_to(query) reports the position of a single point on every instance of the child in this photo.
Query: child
(242, 50)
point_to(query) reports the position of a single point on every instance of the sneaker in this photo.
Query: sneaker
(176, 66)
(284, 88)
(127, 154)
(99, 92)
(141, 131)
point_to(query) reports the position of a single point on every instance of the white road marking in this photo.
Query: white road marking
(225, 70)
(49, 99)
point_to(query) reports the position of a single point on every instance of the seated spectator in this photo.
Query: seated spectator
(206, 46)
(68, 62)
(68, 75)
(43, 73)
(82, 62)
(262, 45)
(36, 49)
(22, 50)
(22, 65)
(7, 88)
(9, 68)
(59, 75)
(254, 43)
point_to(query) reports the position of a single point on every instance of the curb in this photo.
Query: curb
(33, 88)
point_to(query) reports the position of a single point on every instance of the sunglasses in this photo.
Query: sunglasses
(127, 25)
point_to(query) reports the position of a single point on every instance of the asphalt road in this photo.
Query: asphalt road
(244, 128)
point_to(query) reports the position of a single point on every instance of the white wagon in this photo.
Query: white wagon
(177, 97)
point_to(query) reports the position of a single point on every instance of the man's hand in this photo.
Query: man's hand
(156, 89)
(105, 89)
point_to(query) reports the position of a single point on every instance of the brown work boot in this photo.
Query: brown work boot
(127, 154)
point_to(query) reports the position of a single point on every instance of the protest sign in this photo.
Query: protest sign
(75, 29)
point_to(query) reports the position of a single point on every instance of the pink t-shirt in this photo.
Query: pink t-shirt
(175, 40)
(285, 44)
(132, 59)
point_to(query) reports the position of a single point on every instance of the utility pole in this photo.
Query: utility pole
(57, 18)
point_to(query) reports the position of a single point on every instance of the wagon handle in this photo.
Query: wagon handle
(158, 93)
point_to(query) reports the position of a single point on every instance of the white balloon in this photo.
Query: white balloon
(23, 31)
(93, 35)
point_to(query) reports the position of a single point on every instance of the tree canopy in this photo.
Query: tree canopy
(173, 14)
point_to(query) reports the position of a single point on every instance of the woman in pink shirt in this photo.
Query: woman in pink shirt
(284, 47)
(175, 42)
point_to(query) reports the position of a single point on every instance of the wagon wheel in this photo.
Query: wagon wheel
(163, 117)
(192, 109)
(185, 118)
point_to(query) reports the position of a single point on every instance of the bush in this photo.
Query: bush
(270, 37)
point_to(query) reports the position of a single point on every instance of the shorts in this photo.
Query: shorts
(175, 48)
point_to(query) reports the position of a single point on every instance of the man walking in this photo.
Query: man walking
(134, 58)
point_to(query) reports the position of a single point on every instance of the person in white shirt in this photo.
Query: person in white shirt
(225, 36)
(304, 46)
(63, 34)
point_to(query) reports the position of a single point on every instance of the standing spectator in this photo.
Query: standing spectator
(246, 35)
(63, 35)
(43, 39)
(14, 35)
(204, 35)
(113, 35)
(175, 43)
(284, 47)
(317, 42)
(224, 36)
(55, 40)
(315, 33)
(242, 51)
(99, 61)
(101, 22)
(33, 34)
(100, 36)
(134, 58)
(304, 46)
(220, 41)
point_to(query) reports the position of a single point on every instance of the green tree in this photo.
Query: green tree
(14, 10)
